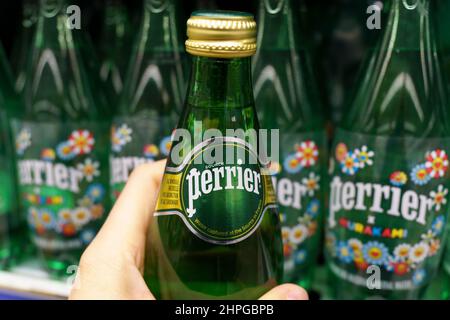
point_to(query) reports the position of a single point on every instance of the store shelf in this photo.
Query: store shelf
(30, 281)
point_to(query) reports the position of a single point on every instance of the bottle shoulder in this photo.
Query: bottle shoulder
(154, 81)
(401, 93)
(285, 90)
(58, 85)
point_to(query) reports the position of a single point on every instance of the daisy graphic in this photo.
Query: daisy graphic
(23, 141)
(298, 234)
(341, 152)
(89, 169)
(65, 215)
(46, 218)
(401, 251)
(48, 154)
(436, 163)
(85, 201)
(82, 142)
(285, 233)
(313, 207)
(117, 141)
(344, 252)
(359, 261)
(65, 151)
(292, 165)
(438, 224)
(87, 236)
(399, 267)
(350, 164)
(434, 247)
(364, 156)
(95, 192)
(151, 151)
(419, 175)
(376, 253)
(419, 276)
(439, 197)
(419, 252)
(125, 133)
(311, 183)
(165, 145)
(307, 153)
(428, 236)
(300, 256)
(398, 178)
(355, 244)
(81, 216)
(68, 229)
(97, 211)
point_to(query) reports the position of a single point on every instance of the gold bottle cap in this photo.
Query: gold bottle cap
(221, 34)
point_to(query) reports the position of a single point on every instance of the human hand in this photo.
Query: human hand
(112, 266)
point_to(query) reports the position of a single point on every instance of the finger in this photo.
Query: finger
(286, 292)
(130, 216)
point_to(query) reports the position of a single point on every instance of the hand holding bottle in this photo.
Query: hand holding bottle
(112, 266)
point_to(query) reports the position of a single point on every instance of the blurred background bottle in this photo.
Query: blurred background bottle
(286, 99)
(11, 225)
(153, 94)
(393, 136)
(114, 47)
(339, 48)
(61, 141)
(23, 43)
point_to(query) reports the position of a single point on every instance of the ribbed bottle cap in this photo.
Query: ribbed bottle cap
(221, 34)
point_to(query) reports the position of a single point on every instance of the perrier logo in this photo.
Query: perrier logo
(220, 202)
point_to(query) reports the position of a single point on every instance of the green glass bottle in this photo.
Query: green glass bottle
(153, 94)
(216, 234)
(390, 179)
(114, 47)
(9, 219)
(61, 144)
(286, 99)
(21, 49)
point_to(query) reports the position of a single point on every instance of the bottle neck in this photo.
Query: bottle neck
(277, 27)
(408, 26)
(160, 31)
(52, 30)
(220, 83)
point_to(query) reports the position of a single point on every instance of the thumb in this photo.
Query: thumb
(286, 292)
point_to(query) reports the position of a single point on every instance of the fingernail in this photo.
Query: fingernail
(294, 294)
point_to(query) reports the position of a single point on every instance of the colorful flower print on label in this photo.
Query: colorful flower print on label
(135, 141)
(63, 176)
(297, 182)
(221, 203)
(388, 208)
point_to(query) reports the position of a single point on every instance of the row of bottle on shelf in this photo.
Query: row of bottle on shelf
(376, 185)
